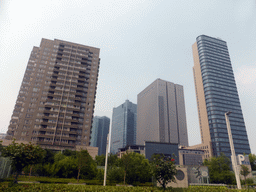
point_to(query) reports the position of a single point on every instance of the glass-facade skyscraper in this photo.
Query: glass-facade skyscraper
(100, 128)
(216, 94)
(124, 123)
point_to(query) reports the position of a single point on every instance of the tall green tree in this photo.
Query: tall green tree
(100, 160)
(245, 172)
(252, 158)
(1, 146)
(163, 168)
(220, 170)
(68, 152)
(84, 160)
(89, 170)
(23, 155)
(136, 168)
(113, 160)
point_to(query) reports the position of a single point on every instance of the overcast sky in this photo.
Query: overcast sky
(140, 41)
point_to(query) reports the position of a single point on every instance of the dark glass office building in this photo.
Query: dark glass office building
(124, 123)
(216, 94)
(100, 128)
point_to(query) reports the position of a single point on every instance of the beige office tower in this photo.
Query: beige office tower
(55, 104)
(161, 115)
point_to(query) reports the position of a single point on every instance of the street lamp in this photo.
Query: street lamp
(233, 154)
(106, 162)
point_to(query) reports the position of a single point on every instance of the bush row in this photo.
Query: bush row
(80, 188)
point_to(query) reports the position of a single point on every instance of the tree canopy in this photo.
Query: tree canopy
(23, 155)
(163, 168)
(220, 170)
(136, 168)
(252, 158)
(244, 171)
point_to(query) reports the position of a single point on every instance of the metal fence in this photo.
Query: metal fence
(5, 167)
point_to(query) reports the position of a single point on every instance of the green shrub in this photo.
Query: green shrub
(100, 174)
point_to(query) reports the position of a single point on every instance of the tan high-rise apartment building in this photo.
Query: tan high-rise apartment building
(161, 115)
(216, 94)
(56, 100)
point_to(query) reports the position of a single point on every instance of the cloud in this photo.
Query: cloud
(246, 75)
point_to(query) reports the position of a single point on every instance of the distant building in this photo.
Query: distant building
(161, 114)
(2, 135)
(100, 129)
(216, 94)
(55, 104)
(168, 149)
(190, 156)
(124, 123)
(140, 149)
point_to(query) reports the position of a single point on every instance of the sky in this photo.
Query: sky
(139, 40)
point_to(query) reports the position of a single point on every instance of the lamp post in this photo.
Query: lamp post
(106, 162)
(233, 154)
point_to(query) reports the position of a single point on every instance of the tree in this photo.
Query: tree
(252, 158)
(113, 160)
(22, 155)
(163, 169)
(66, 167)
(136, 168)
(244, 171)
(100, 160)
(82, 160)
(68, 152)
(89, 168)
(220, 170)
(49, 156)
(1, 147)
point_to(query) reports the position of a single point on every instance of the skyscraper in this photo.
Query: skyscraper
(55, 104)
(161, 114)
(124, 123)
(100, 128)
(216, 94)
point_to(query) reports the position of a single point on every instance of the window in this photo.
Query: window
(29, 115)
(36, 89)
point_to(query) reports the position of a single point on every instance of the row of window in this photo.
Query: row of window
(219, 65)
(224, 123)
(237, 115)
(240, 132)
(213, 90)
(227, 140)
(203, 44)
(207, 49)
(224, 98)
(222, 64)
(217, 76)
(239, 128)
(233, 135)
(223, 105)
(208, 71)
(207, 54)
(216, 70)
(212, 120)
(206, 38)
(226, 87)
